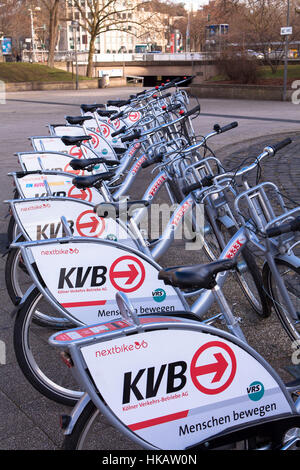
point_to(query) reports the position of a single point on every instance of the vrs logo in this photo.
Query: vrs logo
(159, 295)
(255, 391)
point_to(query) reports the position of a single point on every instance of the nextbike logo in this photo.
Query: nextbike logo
(235, 247)
(157, 185)
(180, 213)
(32, 208)
(68, 251)
(138, 164)
(122, 349)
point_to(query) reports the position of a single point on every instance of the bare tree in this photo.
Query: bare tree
(52, 8)
(108, 15)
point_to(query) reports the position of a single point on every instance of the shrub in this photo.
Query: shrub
(238, 67)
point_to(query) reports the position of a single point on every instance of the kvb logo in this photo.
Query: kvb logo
(89, 225)
(78, 277)
(127, 274)
(85, 195)
(95, 140)
(52, 230)
(69, 169)
(134, 117)
(212, 370)
(104, 130)
(115, 123)
(75, 152)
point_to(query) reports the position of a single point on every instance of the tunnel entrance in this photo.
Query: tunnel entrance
(153, 80)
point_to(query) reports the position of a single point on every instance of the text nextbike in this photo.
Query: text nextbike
(121, 349)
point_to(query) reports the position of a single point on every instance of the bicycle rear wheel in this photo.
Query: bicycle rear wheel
(291, 278)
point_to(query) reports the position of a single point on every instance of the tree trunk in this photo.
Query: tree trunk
(53, 30)
(90, 66)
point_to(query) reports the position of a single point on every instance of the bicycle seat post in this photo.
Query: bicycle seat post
(232, 322)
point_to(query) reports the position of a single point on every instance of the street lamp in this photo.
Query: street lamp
(74, 27)
(286, 53)
(32, 31)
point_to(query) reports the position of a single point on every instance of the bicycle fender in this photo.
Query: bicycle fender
(227, 221)
(18, 307)
(76, 412)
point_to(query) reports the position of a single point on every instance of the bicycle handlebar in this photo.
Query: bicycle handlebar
(117, 116)
(129, 138)
(281, 144)
(120, 131)
(226, 128)
(292, 226)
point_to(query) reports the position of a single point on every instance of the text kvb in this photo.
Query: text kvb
(149, 388)
(77, 277)
(51, 230)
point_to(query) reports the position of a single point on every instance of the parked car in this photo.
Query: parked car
(257, 55)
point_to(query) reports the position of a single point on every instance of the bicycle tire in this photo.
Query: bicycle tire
(30, 342)
(14, 286)
(259, 301)
(291, 278)
(11, 230)
(76, 439)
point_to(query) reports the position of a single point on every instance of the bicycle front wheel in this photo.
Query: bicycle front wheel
(39, 361)
(291, 279)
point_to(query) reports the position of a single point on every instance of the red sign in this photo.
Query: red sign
(75, 151)
(213, 367)
(133, 117)
(127, 274)
(105, 130)
(95, 140)
(89, 225)
(85, 195)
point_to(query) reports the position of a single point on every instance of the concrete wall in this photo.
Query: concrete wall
(202, 69)
(240, 92)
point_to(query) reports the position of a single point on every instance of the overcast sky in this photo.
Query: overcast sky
(195, 3)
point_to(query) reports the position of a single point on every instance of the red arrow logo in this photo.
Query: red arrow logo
(131, 274)
(93, 224)
(218, 367)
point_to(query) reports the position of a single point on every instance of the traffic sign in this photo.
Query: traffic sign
(213, 367)
(127, 274)
(89, 225)
(286, 31)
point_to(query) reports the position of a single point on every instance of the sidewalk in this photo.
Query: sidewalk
(27, 419)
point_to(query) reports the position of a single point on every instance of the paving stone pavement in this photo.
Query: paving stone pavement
(31, 421)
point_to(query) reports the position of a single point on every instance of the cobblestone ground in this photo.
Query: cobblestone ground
(29, 420)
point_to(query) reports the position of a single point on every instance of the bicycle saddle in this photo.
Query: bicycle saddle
(106, 113)
(77, 119)
(84, 182)
(90, 108)
(83, 163)
(119, 151)
(75, 139)
(200, 276)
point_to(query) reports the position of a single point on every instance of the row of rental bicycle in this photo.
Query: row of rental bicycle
(101, 327)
